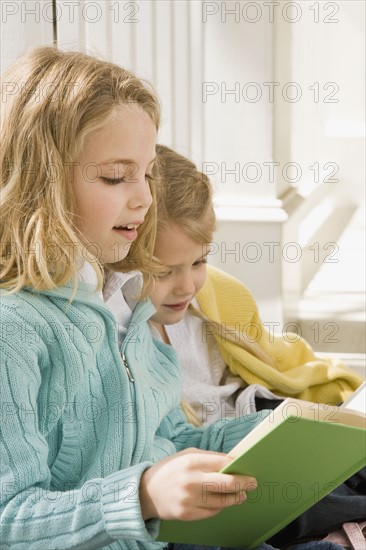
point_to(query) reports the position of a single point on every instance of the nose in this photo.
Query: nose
(185, 285)
(140, 193)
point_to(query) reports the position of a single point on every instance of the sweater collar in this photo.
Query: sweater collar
(86, 293)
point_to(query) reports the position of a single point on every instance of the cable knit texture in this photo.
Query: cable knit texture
(76, 434)
(299, 373)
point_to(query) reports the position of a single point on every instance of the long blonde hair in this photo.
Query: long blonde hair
(185, 199)
(51, 100)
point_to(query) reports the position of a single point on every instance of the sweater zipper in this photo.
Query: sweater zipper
(129, 373)
(132, 387)
(124, 360)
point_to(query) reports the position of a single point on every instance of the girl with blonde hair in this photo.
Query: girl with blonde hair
(94, 449)
(228, 357)
(230, 364)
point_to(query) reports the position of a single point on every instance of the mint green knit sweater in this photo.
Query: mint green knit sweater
(76, 432)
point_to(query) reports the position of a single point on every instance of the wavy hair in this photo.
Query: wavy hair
(184, 196)
(50, 102)
(185, 199)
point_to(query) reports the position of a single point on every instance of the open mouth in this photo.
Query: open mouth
(127, 227)
(129, 231)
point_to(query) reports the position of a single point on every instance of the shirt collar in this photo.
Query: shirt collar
(130, 282)
(115, 281)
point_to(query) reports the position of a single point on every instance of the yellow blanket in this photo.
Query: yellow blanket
(298, 372)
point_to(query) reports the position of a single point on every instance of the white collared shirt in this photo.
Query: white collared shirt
(208, 385)
(120, 293)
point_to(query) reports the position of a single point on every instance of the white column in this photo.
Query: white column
(238, 146)
(324, 135)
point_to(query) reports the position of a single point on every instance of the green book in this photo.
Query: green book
(299, 453)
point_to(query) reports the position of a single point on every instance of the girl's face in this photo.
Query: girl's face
(186, 260)
(111, 183)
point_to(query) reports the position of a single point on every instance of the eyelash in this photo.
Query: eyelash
(110, 181)
(200, 262)
(165, 275)
(196, 264)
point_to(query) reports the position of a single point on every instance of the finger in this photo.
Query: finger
(205, 452)
(218, 501)
(206, 461)
(229, 483)
(196, 513)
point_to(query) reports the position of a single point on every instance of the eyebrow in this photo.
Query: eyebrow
(123, 161)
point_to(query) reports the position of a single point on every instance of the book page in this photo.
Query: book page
(357, 401)
(293, 410)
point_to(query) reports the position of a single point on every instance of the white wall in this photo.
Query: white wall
(23, 25)
(323, 133)
(214, 65)
(322, 53)
(328, 125)
(238, 146)
(160, 41)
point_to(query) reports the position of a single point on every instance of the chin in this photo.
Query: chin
(178, 317)
(114, 259)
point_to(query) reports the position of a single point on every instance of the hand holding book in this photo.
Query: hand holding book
(191, 485)
(299, 453)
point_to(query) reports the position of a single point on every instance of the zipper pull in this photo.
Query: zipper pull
(129, 373)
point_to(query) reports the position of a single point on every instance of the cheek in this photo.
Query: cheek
(158, 294)
(84, 201)
(96, 205)
(201, 279)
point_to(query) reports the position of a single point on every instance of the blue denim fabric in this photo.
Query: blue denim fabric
(342, 505)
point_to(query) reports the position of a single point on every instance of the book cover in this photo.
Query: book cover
(298, 454)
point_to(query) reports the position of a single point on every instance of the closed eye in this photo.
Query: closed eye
(115, 181)
(165, 275)
(112, 181)
(200, 262)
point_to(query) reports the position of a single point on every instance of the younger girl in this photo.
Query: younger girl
(230, 364)
(228, 356)
(94, 449)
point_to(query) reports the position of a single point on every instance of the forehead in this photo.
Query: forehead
(129, 134)
(174, 247)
